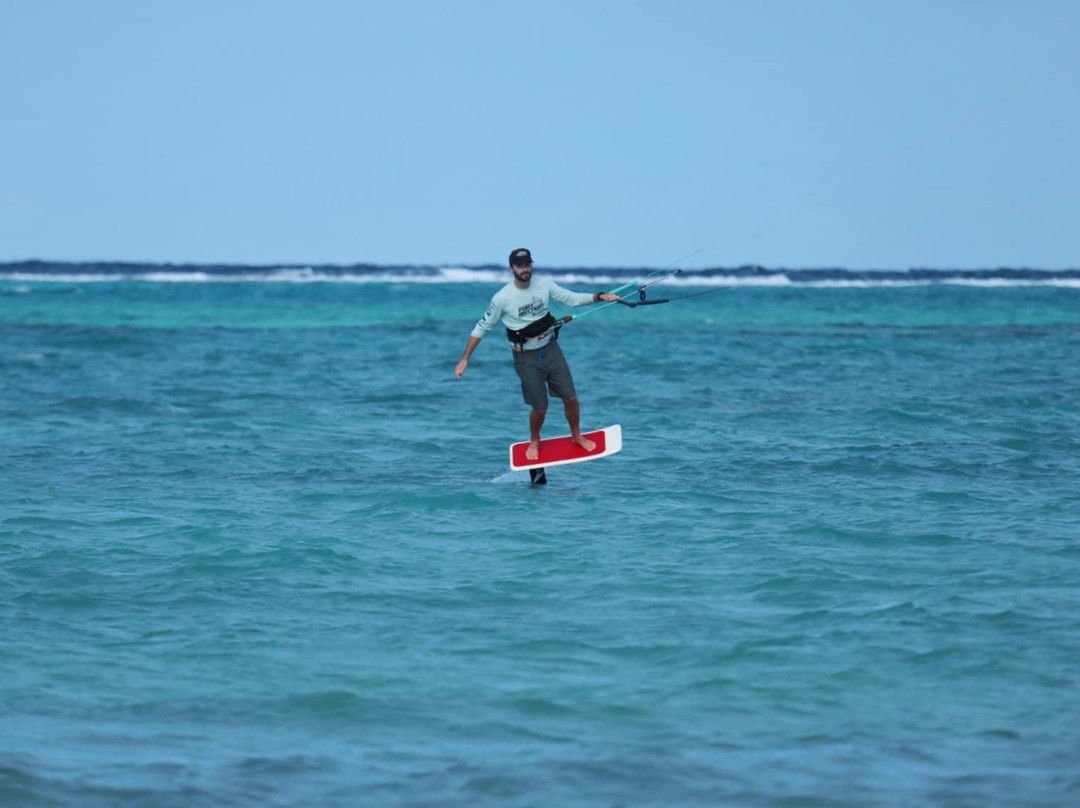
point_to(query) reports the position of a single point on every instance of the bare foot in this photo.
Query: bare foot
(584, 443)
(533, 452)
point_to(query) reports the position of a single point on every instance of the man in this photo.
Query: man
(522, 306)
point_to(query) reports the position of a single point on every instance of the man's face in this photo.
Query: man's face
(522, 273)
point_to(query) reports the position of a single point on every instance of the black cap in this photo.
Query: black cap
(520, 257)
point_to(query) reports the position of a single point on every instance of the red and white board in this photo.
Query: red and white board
(560, 451)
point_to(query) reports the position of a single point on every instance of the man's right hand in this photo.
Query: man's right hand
(464, 363)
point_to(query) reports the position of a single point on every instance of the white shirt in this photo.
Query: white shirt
(516, 307)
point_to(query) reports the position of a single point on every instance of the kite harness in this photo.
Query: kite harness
(537, 328)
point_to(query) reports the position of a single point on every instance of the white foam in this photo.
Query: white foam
(860, 284)
(731, 280)
(510, 477)
(461, 275)
(35, 277)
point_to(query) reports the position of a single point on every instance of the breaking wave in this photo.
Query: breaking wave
(748, 276)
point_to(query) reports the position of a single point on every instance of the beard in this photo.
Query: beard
(524, 275)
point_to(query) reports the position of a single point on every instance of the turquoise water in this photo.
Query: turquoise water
(258, 547)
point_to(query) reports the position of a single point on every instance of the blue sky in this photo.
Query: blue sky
(788, 134)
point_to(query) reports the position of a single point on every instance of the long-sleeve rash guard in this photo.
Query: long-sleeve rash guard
(519, 307)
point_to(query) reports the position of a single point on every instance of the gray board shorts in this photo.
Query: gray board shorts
(542, 370)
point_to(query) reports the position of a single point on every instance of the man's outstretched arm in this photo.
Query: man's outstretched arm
(464, 363)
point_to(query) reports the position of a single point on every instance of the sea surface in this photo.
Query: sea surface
(259, 547)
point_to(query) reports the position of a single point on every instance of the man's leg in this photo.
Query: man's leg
(536, 420)
(562, 385)
(534, 392)
(573, 418)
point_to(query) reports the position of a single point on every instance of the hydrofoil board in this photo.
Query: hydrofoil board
(561, 450)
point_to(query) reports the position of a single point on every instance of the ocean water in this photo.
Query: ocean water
(259, 547)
